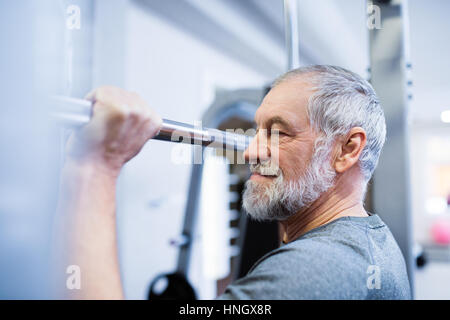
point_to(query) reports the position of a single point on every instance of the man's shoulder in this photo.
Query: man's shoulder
(310, 268)
(324, 250)
(332, 240)
(331, 262)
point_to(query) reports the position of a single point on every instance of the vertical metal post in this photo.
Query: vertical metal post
(389, 70)
(291, 32)
(190, 216)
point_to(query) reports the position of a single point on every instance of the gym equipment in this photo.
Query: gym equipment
(440, 231)
(228, 104)
(177, 287)
(74, 112)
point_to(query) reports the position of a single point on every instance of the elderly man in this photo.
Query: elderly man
(330, 129)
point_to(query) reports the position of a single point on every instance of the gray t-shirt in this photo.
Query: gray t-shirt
(348, 258)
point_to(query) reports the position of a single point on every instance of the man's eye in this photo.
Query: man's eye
(278, 132)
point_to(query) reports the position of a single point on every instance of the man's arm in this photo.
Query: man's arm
(85, 233)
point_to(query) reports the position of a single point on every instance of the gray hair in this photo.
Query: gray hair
(341, 100)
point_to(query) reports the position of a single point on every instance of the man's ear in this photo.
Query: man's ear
(349, 149)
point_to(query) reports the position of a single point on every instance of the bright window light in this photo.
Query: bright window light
(445, 116)
(436, 205)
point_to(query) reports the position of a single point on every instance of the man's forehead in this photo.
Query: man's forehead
(287, 101)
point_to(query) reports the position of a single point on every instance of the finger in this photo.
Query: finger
(91, 95)
(154, 124)
(103, 93)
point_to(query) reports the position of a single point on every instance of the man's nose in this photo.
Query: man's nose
(258, 150)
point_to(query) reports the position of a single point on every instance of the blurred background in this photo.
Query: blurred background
(213, 61)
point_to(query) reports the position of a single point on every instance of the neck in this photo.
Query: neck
(342, 200)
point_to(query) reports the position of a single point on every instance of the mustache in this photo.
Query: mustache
(267, 168)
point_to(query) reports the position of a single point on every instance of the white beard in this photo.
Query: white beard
(280, 199)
